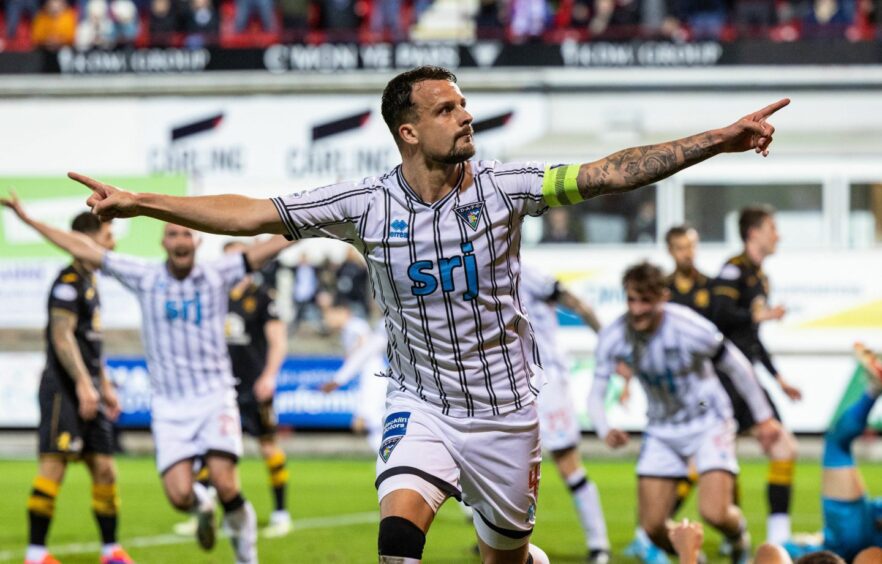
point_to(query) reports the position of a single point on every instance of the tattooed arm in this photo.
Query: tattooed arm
(63, 323)
(632, 168)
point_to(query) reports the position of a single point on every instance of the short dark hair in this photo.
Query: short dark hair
(645, 278)
(397, 105)
(86, 222)
(822, 557)
(752, 217)
(677, 231)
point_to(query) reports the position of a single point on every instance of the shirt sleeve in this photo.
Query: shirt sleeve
(539, 284)
(333, 211)
(127, 269)
(726, 290)
(65, 295)
(731, 361)
(269, 311)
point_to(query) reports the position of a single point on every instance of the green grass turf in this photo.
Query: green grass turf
(325, 493)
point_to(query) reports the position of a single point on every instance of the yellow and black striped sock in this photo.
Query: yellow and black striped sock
(41, 508)
(278, 477)
(780, 485)
(105, 505)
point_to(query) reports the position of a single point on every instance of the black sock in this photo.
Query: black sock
(233, 504)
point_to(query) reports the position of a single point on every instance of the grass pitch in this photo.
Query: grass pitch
(334, 507)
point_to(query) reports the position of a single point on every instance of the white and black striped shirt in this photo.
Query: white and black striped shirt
(675, 366)
(182, 321)
(445, 275)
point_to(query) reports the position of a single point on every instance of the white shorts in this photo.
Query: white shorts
(186, 428)
(558, 425)
(491, 463)
(665, 452)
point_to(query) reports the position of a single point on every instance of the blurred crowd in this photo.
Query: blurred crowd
(88, 24)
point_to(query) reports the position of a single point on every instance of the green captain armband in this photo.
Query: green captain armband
(560, 186)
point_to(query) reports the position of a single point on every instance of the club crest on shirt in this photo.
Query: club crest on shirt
(394, 429)
(470, 214)
(398, 228)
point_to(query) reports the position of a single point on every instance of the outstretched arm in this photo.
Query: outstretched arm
(226, 214)
(260, 253)
(78, 245)
(632, 168)
(585, 312)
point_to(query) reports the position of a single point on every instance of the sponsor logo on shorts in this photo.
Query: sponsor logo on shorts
(394, 429)
(531, 514)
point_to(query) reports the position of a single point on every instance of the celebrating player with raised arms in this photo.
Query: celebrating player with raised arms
(674, 353)
(441, 235)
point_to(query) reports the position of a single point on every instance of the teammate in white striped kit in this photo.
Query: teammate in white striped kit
(673, 351)
(558, 425)
(193, 408)
(441, 236)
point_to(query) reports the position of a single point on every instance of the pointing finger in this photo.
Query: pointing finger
(772, 108)
(90, 183)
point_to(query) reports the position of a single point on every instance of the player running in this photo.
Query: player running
(673, 352)
(194, 412)
(558, 426)
(740, 297)
(441, 236)
(77, 401)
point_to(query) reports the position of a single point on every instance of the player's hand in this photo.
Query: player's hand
(616, 438)
(12, 202)
(329, 387)
(767, 432)
(687, 537)
(624, 370)
(791, 392)
(264, 388)
(111, 401)
(752, 131)
(88, 398)
(106, 201)
(777, 312)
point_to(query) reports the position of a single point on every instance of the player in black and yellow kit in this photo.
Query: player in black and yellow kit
(687, 285)
(77, 401)
(257, 341)
(740, 305)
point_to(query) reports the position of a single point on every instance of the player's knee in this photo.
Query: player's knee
(400, 537)
(713, 514)
(180, 498)
(785, 448)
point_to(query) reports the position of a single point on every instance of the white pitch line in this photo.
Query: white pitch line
(159, 540)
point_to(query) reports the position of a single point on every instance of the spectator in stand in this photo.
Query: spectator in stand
(201, 25)
(528, 19)
(560, 228)
(826, 19)
(295, 18)
(264, 9)
(339, 17)
(419, 7)
(54, 26)
(386, 21)
(15, 9)
(706, 18)
(306, 286)
(163, 23)
(615, 18)
(352, 283)
(126, 22)
(489, 20)
(754, 17)
(95, 31)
